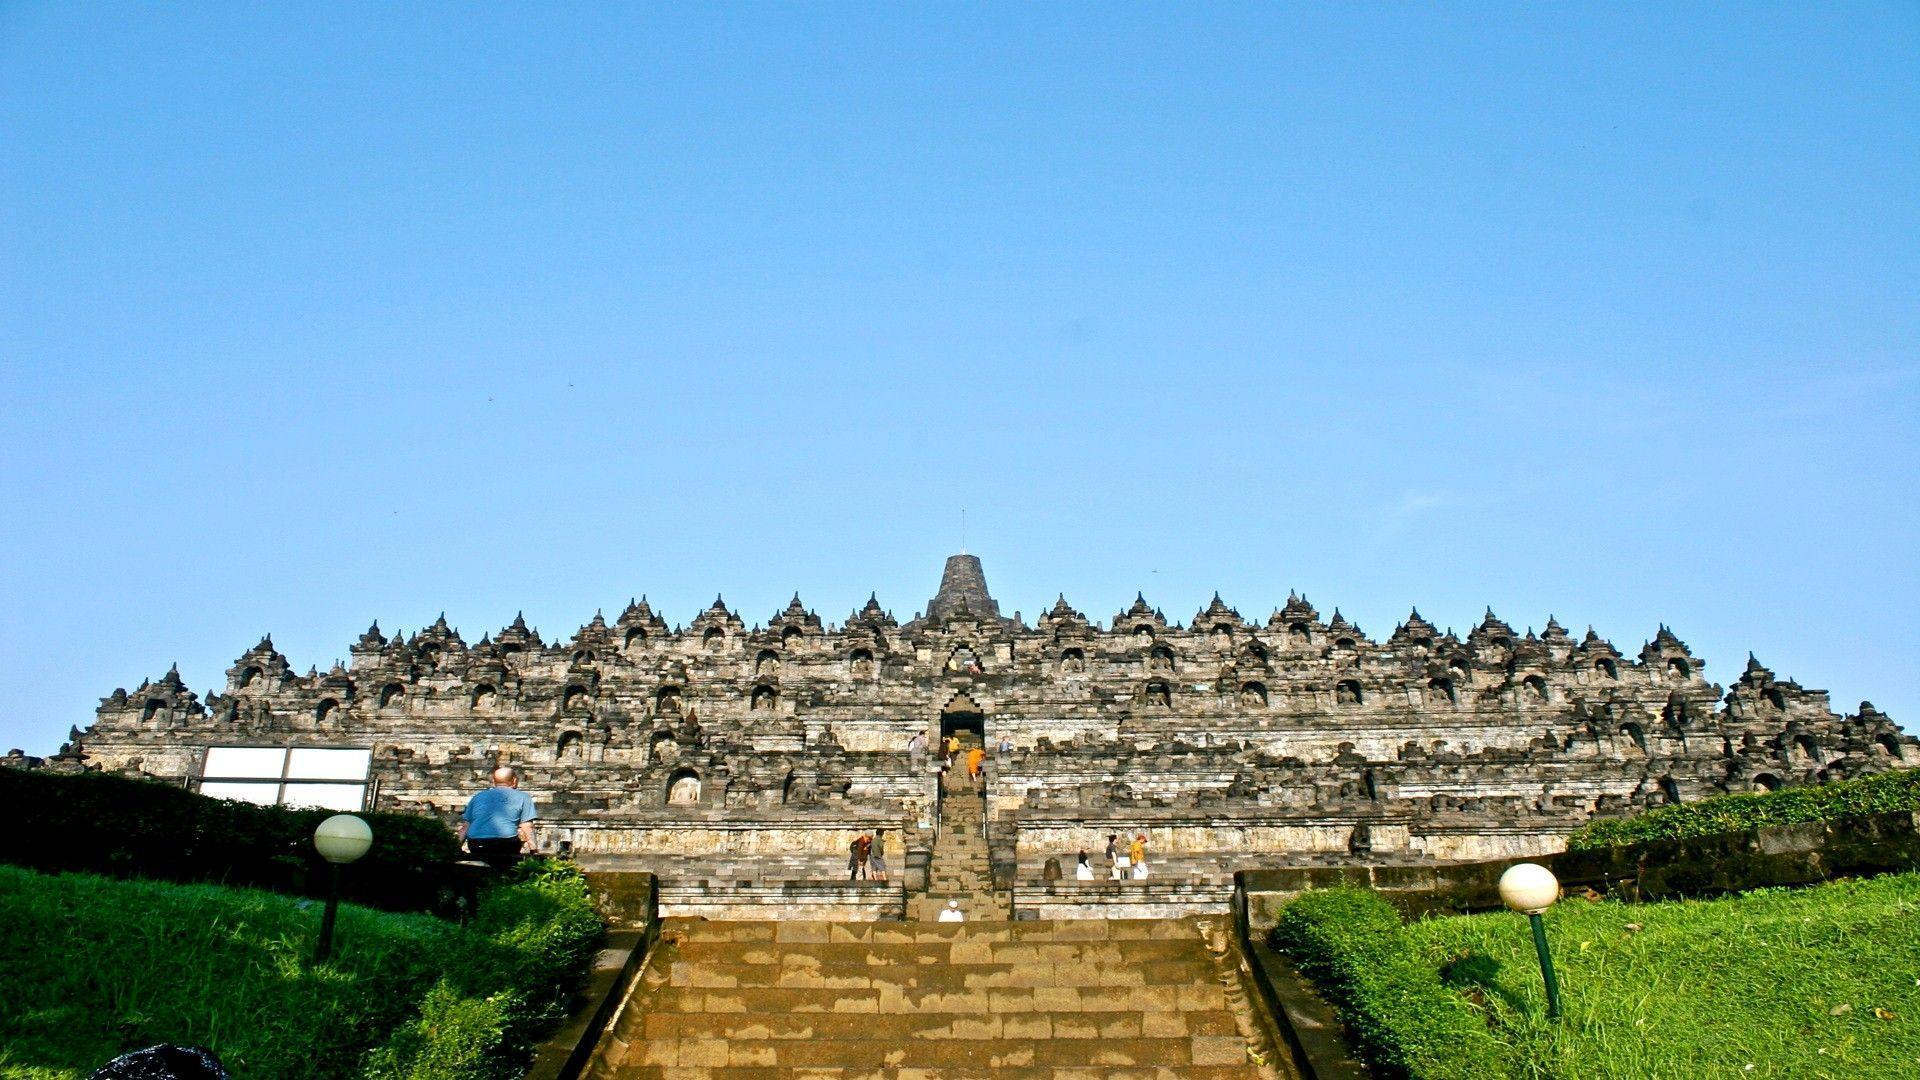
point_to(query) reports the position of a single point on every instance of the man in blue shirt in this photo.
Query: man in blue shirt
(497, 825)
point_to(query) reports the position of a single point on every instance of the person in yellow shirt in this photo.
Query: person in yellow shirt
(1137, 855)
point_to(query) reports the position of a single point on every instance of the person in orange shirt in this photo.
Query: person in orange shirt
(974, 757)
(1137, 855)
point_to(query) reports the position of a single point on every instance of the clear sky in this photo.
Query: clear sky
(316, 314)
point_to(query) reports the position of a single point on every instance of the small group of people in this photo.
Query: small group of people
(1122, 862)
(973, 757)
(953, 754)
(867, 857)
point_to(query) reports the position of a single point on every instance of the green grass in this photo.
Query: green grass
(95, 966)
(1816, 982)
(1888, 792)
(1401, 1018)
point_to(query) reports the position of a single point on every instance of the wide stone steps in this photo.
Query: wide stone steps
(865, 1056)
(944, 1072)
(861, 974)
(682, 1024)
(933, 1001)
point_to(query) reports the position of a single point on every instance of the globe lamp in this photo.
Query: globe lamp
(340, 839)
(343, 838)
(1531, 889)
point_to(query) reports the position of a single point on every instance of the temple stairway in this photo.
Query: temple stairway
(960, 869)
(939, 1001)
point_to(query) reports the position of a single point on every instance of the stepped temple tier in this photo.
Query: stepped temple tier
(736, 762)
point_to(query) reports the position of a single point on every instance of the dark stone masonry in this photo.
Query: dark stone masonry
(723, 751)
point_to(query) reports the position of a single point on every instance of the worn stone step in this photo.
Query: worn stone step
(980, 930)
(857, 975)
(876, 953)
(1030, 1073)
(948, 999)
(664, 1023)
(898, 1053)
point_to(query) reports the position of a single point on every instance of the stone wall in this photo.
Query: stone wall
(815, 901)
(1149, 899)
(1231, 741)
(1801, 854)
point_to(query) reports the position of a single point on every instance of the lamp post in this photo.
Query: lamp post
(340, 839)
(1531, 889)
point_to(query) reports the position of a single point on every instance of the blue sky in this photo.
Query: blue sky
(312, 315)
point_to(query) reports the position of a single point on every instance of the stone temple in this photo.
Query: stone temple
(735, 762)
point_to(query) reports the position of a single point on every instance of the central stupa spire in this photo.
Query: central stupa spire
(963, 584)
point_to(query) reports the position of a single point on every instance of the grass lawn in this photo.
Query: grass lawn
(95, 966)
(1815, 982)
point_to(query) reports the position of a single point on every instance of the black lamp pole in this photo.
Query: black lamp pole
(341, 838)
(1546, 965)
(325, 949)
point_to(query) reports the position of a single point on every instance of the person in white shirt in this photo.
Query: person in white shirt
(952, 914)
(1083, 872)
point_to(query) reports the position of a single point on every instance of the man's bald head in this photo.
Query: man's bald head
(506, 777)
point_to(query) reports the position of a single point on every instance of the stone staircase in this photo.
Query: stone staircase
(961, 868)
(939, 1001)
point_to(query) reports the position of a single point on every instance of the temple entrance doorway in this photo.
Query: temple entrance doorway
(964, 718)
(965, 724)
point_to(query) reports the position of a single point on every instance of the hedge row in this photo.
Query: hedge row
(97, 966)
(1888, 792)
(126, 827)
(1405, 1022)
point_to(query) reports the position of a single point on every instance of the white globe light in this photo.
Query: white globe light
(1529, 888)
(343, 838)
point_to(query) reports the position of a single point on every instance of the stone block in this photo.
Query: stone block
(1218, 1050)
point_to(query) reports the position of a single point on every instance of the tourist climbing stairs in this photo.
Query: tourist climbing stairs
(961, 871)
(939, 1001)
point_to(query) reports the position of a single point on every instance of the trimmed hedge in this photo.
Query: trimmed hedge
(95, 967)
(1880, 793)
(126, 827)
(1354, 947)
